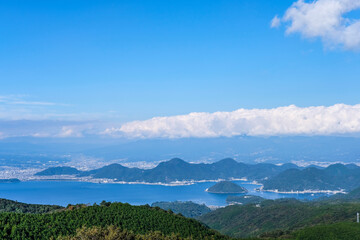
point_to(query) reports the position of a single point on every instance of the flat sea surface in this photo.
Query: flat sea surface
(64, 192)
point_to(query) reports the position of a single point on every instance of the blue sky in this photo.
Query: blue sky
(121, 61)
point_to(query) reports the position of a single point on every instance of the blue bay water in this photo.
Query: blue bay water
(64, 192)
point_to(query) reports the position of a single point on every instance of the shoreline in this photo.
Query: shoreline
(180, 183)
(342, 191)
(68, 178)
(206, 190)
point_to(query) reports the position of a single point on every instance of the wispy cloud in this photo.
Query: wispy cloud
(275, 22)
(48, 128)
(22, 107)
(20, 100)
(290, 120)
(21, 117)
(324, 19)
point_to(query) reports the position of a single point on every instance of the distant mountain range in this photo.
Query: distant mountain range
(334, 177)
(284, 178)
(178, 170)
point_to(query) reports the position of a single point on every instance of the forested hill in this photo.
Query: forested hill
(226, 187)
(281, 216)
(137, 219)
(245, 199)
(284, 218)
(18, 207)
(58, 171)
(353, 196)
(334, 177)
(178, 170)
(188, 209)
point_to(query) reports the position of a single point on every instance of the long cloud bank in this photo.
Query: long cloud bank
(339, 119)
(290, 120)
(325, 19)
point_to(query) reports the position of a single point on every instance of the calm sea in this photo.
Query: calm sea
(63, 193)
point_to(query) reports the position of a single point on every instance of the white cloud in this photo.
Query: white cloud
(290, 120)
(325, 19)
(72, 131)
(275, 22)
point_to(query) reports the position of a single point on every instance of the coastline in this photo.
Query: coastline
(305, 191)
(207, 190)
(69, 178)
(114, 181)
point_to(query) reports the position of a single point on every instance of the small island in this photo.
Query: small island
(226, 187)
(9, 180)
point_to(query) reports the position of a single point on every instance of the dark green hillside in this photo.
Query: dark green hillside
(300, 180)
(187, 209)
(283, 214)
(338, 231)
(18, 207)
(116, 171)
(247, 199)
(115, 233)
(175, 169)
(58, 171)
(138, 219)
(334, 177)
(353, 196)
(226, 187)
(261, 171)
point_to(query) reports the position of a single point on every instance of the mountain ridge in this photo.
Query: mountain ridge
(335, 177)
(177, 169)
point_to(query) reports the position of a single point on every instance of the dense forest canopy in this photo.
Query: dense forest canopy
(188, 209)
(138, 219)
(18, 207)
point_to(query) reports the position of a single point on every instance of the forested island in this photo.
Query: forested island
(226, 187)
